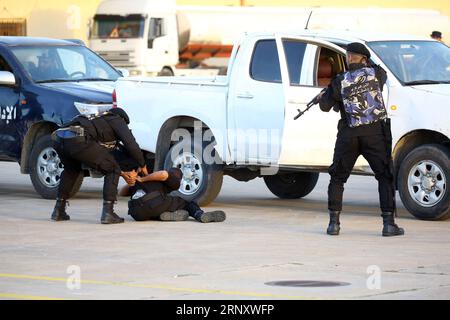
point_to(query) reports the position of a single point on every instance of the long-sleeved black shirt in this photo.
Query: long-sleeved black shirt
(108, 128)
(124, 135)
(332, 99)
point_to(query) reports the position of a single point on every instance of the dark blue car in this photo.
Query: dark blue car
(43, 84)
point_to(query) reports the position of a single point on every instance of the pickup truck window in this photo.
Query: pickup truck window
(63, 63)
(265, 65)
(156, 30)
(415, 62)
(295, 52)
(329, 65)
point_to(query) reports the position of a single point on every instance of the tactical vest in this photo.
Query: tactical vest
(98, 128)
(362, 97)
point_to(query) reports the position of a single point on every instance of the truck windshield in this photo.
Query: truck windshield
(116, 27)
(63, 64)
(415, 62)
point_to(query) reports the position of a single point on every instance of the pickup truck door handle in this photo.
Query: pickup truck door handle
(245, 95)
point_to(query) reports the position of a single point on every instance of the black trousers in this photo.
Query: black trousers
(91, 154)
(374, 148)
(154, 208)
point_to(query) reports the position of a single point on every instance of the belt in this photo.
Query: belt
(72, 134)
(148, 197)
(108, 145)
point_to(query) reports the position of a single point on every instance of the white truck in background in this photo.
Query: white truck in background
(245, 120)
(155, 37)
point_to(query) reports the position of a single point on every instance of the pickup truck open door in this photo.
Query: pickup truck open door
(256, 109)
(307, 66)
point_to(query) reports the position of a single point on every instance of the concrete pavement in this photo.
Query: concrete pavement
(263, 240)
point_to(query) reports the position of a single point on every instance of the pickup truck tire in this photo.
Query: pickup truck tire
(166, 72)
(423, 182)
(204, 181)
(292, 185)
(46, 169)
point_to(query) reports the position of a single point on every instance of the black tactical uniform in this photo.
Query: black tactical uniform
(156, 203)
(152, 200)
(363, 130)
(90, 142)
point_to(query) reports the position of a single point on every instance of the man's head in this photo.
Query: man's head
(174, 180)
(45, 63)
(121, 113)
(357, 53)
(437, 35)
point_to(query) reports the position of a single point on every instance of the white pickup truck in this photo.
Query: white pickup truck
(242, 124)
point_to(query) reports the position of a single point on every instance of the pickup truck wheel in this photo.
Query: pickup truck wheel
(46, 169)
(423, 182)
(201, 182)
(292, 185)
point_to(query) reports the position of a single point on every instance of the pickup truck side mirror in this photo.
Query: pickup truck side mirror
(7, 79)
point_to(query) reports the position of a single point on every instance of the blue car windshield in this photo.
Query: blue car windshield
(415, 62)
(63, 64)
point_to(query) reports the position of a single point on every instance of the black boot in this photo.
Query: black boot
(213, 216)
(179, 215)
(335, 226)
(108, 214)
(207, 217)
(59, 213)
(202, 216)
(390, 229)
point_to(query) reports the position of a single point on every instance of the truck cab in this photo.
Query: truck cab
(141, 36)
(44, 83)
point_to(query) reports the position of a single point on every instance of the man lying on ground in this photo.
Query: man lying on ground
(150, 199)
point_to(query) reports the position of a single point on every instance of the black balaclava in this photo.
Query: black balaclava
(174, 180)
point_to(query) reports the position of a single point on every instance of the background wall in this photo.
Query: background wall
(441, 5)
(69, 18)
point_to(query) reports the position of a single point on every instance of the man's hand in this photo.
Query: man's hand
(143, 171)
(130, 177)
(320, 95)
(155, 176)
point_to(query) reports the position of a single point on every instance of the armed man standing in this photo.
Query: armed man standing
(90, 141)
(364, 129)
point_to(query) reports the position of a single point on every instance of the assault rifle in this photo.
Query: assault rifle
(310, 104)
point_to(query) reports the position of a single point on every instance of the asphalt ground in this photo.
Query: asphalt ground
(263, 240)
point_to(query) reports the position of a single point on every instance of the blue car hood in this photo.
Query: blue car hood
(89, 91)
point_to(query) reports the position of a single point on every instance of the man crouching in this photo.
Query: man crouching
(150, 198)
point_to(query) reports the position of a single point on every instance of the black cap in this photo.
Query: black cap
(358, 48)
(121, 113)
(436, 34)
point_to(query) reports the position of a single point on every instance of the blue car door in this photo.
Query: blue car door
(9, 116)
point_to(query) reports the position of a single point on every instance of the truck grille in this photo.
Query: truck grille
(119, 59)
